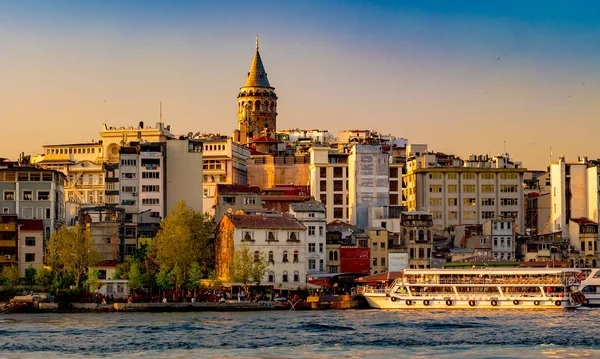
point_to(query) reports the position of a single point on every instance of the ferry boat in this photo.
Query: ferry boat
(590, 286)
(514, 288)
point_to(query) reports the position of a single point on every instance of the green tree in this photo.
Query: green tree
(247, 267)
(183, 239)
(30, 273)
(10, 276)
(135, 277)
(92, 282)
(44, 277)
(70, 250)
(164, 278)
(194, 276)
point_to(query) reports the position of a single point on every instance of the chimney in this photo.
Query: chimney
(141, 124)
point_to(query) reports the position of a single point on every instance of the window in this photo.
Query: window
(312, 264)
(311, 215)
(487, 188)
(323, 173)
(229, 200)
(249, 200)
(508, 176)
(321, 265)
(320, 247)
(126, 175)
(271, 277)
(212, 165)
(338, 199)
(452, 176)
(488, 214)
(452, 188)
(323, 198)
(483, 240)
(150, 174)
(509, 201)
(452, 201)
(323, 186)
(311, 230)
(285, 257)
(30, 241)
(394, 172)
(330, 255)
(285, 277)
(435, 176)
(338, 172)
(488, 201)
(338, 213)
(435, 188)
(271, 258)
(374, 262)
(374, 247)
(487, 176)
(468, 176)
(43, 195)
(335, 255)
(248, 236)
(509, 188)
(296, 276)
(468, 188)
(9, 195)
(293, 236)
(338, 186)
(256, 256)
(296, 256)
(152, 188)
(150, 201)
(436, 215)
(27, 195)
(469, 202)
(311, 247)
(320, 230)
(469, 215)
(271, 237)
(29, 257)
(435, 201)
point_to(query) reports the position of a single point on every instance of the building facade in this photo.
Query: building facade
(312, 215)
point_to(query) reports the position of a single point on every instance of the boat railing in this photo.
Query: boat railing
(500, 281)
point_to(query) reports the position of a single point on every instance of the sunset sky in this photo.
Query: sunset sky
(461, 76)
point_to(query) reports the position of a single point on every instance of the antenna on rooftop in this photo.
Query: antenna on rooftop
(160, 120)
(104, 111)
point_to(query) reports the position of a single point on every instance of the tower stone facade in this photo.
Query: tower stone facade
(257, 104)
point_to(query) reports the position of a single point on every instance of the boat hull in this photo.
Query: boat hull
(385, 302)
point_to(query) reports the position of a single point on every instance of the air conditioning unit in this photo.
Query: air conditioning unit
(7, 256)
(134, 194)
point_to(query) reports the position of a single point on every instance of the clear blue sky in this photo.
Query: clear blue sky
(461, 76)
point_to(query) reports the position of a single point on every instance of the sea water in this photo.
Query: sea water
(305, 334)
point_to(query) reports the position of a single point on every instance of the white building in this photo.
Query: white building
(312, 216)
(281, 238)
(369, 182)
(502, 235)
(329, 181)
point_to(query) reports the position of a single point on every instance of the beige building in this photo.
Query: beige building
(329, 181)
(224, 162)
(378, 242)
(184, 174)
(464, 192)
(268, 171)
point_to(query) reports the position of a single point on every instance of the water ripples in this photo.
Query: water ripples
(308, 334)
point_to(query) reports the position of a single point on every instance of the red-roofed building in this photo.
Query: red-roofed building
(280, 197)
(281, 238)
(231, 198)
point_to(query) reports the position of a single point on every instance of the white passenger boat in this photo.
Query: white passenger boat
(514, 288)
(590, 286)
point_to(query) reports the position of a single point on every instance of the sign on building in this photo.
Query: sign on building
(397, 261)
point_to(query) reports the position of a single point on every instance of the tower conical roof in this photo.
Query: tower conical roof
(257, 76)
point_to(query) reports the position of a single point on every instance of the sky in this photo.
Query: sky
(464, 77)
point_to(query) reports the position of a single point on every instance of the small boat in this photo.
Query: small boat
(590, 286)
(514, 288)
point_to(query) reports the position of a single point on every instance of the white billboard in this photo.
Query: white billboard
(397, 261)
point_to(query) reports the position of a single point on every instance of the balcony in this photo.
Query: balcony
(8, 243)
(8, 227)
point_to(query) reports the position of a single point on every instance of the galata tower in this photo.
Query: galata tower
(257, 104)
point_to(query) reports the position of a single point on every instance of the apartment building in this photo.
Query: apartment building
(329, 181)
(464, 192)
(281, 238)
(501, 233)
(312, 215)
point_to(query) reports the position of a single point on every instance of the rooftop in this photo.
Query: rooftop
(237, 188)
(309, 206)
(264, 222)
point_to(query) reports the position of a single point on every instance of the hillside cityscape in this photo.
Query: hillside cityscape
(313, 202)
